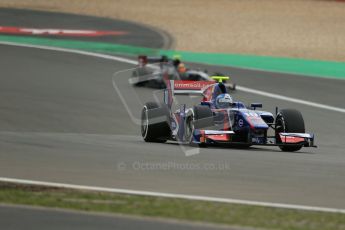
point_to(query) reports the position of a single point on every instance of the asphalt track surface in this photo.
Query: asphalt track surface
(23, 217)
(62, 121)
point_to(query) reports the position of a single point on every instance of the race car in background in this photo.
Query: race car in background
(150, 72)
(219, 120)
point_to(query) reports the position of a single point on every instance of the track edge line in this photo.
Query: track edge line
(171, 195)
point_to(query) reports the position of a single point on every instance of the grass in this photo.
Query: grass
(230, 214)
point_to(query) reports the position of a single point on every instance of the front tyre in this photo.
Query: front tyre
(203, 117)
(155, 123)
(289, 121)
(189, 129)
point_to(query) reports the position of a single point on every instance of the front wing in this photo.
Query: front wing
(225, 137)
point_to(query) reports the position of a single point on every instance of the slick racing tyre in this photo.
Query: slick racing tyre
(203, 117)
(136, 76)
(189, 129)
(289, 121)
(155, 122)
(232, 86)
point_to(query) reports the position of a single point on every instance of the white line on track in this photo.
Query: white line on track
(129, 61)
(171, 195)
(290, 99)
(86, 53)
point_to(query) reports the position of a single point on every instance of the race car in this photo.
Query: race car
(150, 72)
(218, 120)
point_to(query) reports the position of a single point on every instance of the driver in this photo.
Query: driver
(181, 68)
(223, 101)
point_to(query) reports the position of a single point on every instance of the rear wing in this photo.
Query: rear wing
(187, 87)
(183, 87)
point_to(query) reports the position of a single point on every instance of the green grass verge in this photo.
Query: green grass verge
(312, 68)
(231, 214)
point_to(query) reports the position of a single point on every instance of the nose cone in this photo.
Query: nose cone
(255, 121)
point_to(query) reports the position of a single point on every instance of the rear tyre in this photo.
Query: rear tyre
(289, 121)
(233, 86)
(136, 75)
(155, 123)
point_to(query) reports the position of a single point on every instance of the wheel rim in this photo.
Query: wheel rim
(189, 129)
(144, 122)
(280, 127)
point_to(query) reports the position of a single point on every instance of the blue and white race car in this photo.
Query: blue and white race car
(220, 120)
